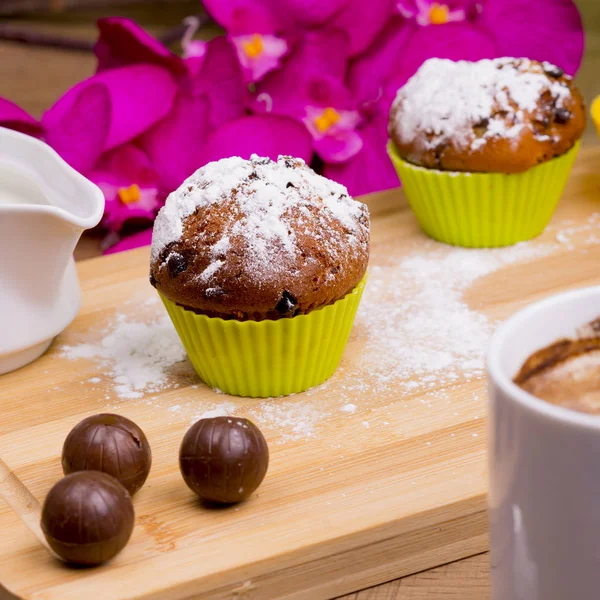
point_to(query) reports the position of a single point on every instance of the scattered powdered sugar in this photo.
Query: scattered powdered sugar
(572, 234)
(418, 330)
(461, 95)
(291, 419)
(349, 408)
(288, 419)
(136, 355)
(225, 409)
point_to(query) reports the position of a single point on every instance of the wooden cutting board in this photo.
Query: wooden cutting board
(391, 485)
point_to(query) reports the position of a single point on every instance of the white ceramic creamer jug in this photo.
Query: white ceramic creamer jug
(45, 205)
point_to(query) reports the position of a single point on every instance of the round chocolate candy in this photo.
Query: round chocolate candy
(223, 459)
(87, 518)
(112, 444)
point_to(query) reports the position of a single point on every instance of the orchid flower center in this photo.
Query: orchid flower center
(439, 14)
(254, 47)
(327, 119)
(428, 12)
(130, 194)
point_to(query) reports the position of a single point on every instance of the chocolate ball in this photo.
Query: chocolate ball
(224, 459)
(111, 444)
(87, 518)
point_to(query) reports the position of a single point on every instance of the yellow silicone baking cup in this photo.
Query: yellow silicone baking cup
(595, 110)
(484, 210)
(267, 358)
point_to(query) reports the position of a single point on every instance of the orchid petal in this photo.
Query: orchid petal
(370, 170)
(140, 96)
(241, 17)
(311, 13)
(123, 42)
(14, 117)
(265, 135)
(79, 134)
(345, 120)
(272, 49)
(322, 90)
(339, 147)
(452, 10)
(364, 21)
(221, 82)
(142, 238)
(370, 72)
(175, 144)
(125, 166)
(549, 30)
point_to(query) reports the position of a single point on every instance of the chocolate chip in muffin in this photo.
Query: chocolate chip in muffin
(257, 160)
(540, 125)
(552, 70)
(290, 185)
(480, 128)
(562, 115)
(287, 303)
(176, 264)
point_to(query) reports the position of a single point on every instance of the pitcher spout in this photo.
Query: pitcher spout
(36, 179)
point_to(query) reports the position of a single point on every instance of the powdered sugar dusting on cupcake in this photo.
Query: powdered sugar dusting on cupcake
(447, 100)
(269, 199)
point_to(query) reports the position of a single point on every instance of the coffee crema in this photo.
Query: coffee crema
(566, 373)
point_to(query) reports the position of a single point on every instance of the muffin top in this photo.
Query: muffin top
(257, 239)
(504, 115)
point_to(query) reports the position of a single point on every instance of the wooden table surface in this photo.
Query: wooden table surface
(35, 77)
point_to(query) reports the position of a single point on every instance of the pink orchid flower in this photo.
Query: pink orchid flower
(126, 201)
(253, 29)
(259, 54)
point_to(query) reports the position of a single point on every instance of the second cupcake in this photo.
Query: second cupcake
(484, 149)
(261, 266)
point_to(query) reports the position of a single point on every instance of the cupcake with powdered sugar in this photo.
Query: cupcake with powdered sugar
(261, 266)
(484, 149)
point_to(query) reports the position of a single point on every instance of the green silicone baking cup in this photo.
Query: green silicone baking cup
(267, 358)
(484, 210)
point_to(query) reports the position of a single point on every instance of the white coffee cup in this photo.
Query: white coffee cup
(544, 466)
